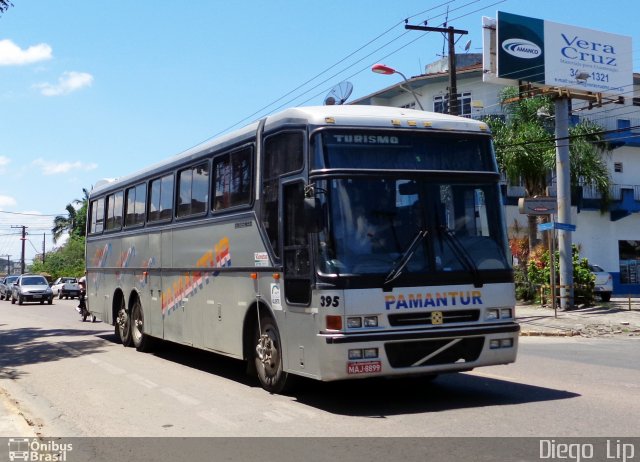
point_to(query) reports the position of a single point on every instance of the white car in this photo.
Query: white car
(66, 287)
(603, 282)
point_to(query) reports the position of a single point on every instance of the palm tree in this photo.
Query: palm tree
(525, 149)
(75, 221)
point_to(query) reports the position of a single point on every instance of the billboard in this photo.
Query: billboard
(559, 55)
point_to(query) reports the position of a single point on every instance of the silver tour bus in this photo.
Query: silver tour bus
(333, 242)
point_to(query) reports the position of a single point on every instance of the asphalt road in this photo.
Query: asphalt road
(70, 378)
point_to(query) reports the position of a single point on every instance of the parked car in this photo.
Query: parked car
(66, 287)
(603, 282)
(31, 288)
(5, 286)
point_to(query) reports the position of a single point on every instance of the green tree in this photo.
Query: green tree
(525, 149)
(75, 221)
(68, 260)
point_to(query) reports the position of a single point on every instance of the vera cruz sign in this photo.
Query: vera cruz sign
(560, 55)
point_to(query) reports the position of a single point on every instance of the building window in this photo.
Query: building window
(617, 167)
(636, 101)
(629, 252)
(411, 105)
(441, 104)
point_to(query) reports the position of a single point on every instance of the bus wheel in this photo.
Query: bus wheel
(268, 358)
(123, 325)
(140, 340)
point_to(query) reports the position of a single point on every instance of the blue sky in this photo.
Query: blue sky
(92, 90)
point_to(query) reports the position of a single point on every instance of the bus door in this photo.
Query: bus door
(300, 325)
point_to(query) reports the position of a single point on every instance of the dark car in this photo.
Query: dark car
(31, 288)
(5, 287)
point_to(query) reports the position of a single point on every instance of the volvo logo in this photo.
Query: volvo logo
(521, 48)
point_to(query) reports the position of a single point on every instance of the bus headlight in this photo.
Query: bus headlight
(492, 314)
(355, 354)
(354, 323)
(370, 321)
(506, 313)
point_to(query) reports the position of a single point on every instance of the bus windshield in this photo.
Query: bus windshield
(379, 225)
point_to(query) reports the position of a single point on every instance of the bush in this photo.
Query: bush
(539, 272)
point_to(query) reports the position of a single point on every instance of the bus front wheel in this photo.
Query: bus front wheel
(268, 358)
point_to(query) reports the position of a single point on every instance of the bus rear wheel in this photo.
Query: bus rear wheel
(140, 340)
(268, 358)
(123, 325)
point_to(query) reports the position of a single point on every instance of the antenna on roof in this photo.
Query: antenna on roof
(338, 94)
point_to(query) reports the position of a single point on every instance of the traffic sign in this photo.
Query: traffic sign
(556, 225)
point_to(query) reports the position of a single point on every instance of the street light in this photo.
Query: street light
(386, 70)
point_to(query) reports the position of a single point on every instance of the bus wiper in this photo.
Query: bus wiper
(401, 263)
(462, 255)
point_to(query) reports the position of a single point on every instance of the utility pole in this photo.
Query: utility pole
(23, 239)
(44, 237)
(8, 264)
(453, 86)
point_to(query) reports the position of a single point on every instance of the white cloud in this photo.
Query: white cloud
(4, 161)
(57, 168)
(12, 55)
(67, 83)
(7, 201)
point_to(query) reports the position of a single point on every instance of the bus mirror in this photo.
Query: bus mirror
(312, 216)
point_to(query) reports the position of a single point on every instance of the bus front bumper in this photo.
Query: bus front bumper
(417, 352)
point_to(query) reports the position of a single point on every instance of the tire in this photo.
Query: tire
(42, 302)
(13, 300)
(605, 296)
(123, 325)
(140, 340)
(59, 295)
(268, 358)
(50, 301)
(20, 300)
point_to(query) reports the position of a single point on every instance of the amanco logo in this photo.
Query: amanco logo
(521, 48)
(38, 450)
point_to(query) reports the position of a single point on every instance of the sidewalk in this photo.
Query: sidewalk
(600, 320)
(12, 421)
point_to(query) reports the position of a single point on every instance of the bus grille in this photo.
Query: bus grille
(448, 317)
(433, 352)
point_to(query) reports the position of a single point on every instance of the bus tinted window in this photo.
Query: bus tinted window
(135, 205)
(412, 151)
(114, 211)
(97, 216)
(232, 179)
(193, 190)
(161, 200)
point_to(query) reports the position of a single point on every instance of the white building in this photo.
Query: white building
(611, 239)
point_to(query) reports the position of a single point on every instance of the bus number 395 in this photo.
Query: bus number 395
(328, 300)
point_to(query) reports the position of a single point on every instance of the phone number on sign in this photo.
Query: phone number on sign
(369, 367)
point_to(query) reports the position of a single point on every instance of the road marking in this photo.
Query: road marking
(184, 399)
(111, 369)
(142, 381)
(215, 418)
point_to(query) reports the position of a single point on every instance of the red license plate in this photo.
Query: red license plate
(368, 367)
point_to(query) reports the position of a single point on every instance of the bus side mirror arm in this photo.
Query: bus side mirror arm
(312, 215)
